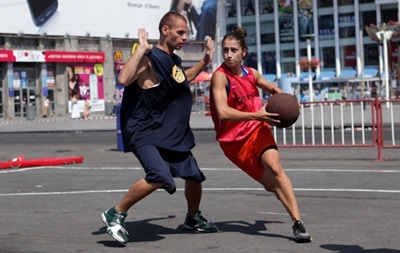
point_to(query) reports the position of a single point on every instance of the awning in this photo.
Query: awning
(304, 76)
(202, 77)
(369, 73)
(347, 74)
(326, 75)
(270, 77)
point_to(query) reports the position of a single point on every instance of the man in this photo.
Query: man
(155, 116)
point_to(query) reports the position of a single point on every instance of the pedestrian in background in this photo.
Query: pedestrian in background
(75, 113)
(46, 108)
(86, 109)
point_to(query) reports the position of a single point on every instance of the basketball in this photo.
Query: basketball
(286, 106)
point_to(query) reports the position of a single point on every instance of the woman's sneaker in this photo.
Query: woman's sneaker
(198, 223)
(115, 222)
(300, 233)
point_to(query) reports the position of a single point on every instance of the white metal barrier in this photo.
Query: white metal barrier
(346, 123)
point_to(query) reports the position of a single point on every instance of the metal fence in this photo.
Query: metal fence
(345, 123)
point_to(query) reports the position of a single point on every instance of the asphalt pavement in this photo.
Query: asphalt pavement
(349, 201)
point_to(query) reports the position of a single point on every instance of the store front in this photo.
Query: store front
(24, 85)
(32, 77)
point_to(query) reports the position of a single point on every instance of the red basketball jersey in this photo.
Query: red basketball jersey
(243, 95)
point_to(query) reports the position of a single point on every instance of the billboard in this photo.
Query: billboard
(103, 18)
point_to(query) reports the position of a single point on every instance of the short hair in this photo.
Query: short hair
(169, 19)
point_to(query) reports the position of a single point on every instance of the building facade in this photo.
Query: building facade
(339, 43)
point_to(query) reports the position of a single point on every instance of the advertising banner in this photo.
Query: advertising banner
(286, 29)
(306, 21)
(103, 18)
(85, 82)
(6, 56)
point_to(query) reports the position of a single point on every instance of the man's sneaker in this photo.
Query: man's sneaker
(115, 222)
(198, 223)
(300, 233)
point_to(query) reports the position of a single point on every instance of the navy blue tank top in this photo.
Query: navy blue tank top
(159, 115)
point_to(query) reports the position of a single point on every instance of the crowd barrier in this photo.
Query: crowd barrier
(371, 123)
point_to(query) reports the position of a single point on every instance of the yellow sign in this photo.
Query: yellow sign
(98, 69)
(134, 47)
(118, 56)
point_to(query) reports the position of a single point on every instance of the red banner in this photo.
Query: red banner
(6, 56)
(61, 56)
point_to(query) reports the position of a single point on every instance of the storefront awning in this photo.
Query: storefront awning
(326, 75)
(347, 74)
(304, 76)
(369, 73)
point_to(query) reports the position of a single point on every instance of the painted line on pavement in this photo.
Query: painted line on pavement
(16, 170)
(204, 189)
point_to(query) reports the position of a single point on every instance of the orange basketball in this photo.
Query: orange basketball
(286, 106)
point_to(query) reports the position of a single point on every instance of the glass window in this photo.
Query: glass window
(288, 67)
(267, 32)
(268, 38)
(389, 14)
(266, 6)
(288, 53)
(346, 25)
(303, 52)
(345, 2)
(347, 32)
(325, 3)
(371, 54)
(248, 8)
(269, 62)
(25, 43)
(328, 59)
(326, 27)
(251, 34)
(251, 60)
(367, 18)
(231, 9)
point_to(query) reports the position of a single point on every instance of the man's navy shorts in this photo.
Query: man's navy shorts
(162, 165)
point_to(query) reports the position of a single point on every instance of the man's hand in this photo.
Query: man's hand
(143, 36)
(209, 50)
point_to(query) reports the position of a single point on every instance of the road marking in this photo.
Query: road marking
(204, 189)
(203, 169)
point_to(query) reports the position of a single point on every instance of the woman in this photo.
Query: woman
(242, 125)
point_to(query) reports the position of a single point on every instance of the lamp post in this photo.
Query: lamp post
(384, 36)
(310, 84)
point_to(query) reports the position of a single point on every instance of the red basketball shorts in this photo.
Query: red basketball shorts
(246, 153)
